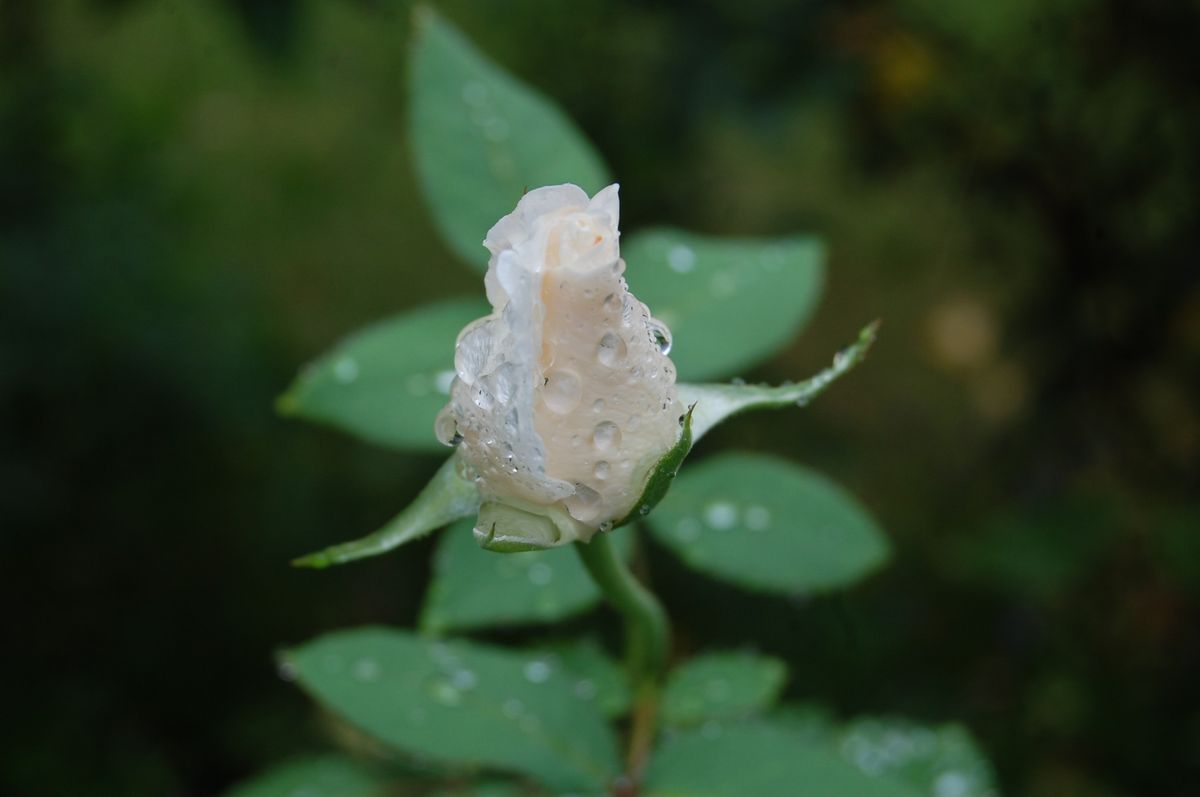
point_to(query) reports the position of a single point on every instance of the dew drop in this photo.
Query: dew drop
(367, 670)
(951, 784)
(660, 335)
(721, 515)
(446, 428)
(612, 349)
(681, 258)
(345, 370)
(606, 435)
(464, 680)
(482, 398)
(537, 671)
(472, 351)
(612, 303)
(584, 504)
(442, 691)
(598, 405)
(758, 518)
(540, 574)
(601, 470)
(562, 391)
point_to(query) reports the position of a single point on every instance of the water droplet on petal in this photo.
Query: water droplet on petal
(612, 349)
(606, 435)
(598, 405)
(601, 470)
(562, 391)
(584, 504)
(446, 427)
(472, 351)
(660, 335)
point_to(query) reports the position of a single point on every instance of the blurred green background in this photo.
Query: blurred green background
(197, 197)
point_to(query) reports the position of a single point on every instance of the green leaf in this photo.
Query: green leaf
(659, 481)
(722, 686)
(730, 303)
(940, 761)
(325, 776)
(716, 403)
(597, 677)
(760, 759)
(460, 704)
(477, 588)
(446, 498)
(481, 138)
(767, 524)
(387, 382)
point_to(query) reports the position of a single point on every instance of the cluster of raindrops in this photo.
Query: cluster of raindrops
(878, 748)
(451, 680)
(723, 515)
(492, 126)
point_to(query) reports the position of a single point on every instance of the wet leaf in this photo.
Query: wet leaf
(387, 382)
(462, 705)
(722, 686)
(940, 761)
(481, 138)
(446, 498)
(761, 759)
(730, 302)
(715, 403)
(598, 678)
(768, 524)
(477, 588)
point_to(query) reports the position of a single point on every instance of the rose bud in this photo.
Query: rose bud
(564, 397)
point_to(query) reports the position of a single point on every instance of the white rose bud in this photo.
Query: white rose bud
(564, 398)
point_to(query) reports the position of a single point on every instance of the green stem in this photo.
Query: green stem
(647, 641)
(645, 621)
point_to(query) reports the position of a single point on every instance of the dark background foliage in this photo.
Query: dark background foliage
(197, 197)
